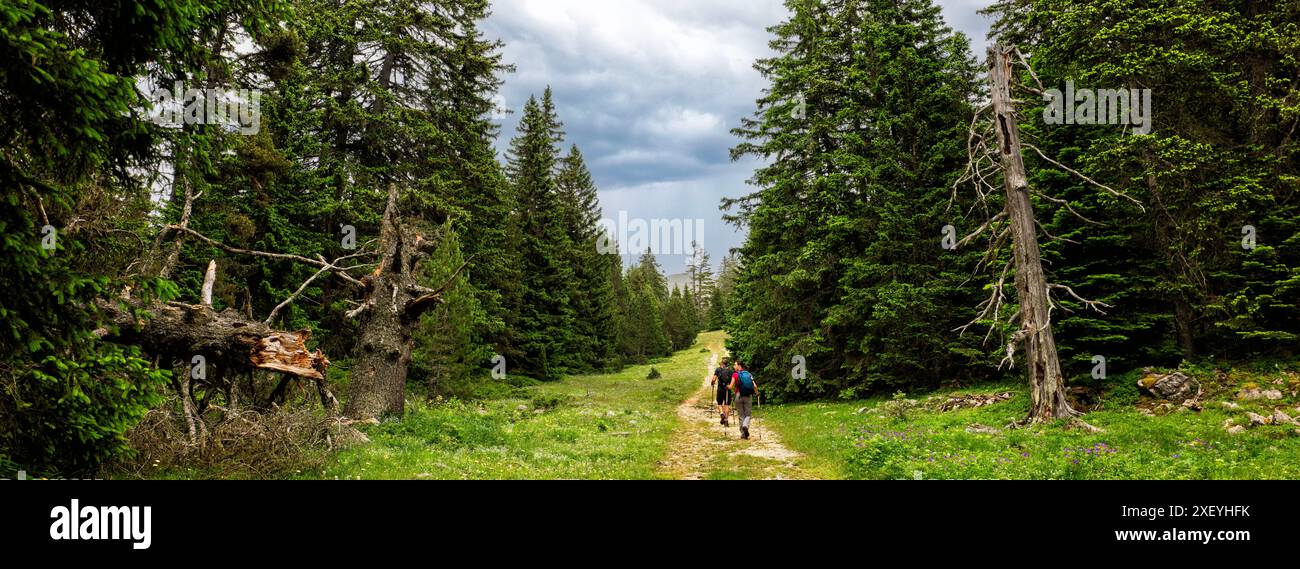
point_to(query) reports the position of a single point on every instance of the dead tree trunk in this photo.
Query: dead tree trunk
(1047, 385)
(393, 305)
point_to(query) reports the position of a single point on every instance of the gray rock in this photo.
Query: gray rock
(1257, 419)
(1282, 418)
(1236, 430)
(983, 429)
(1252, 394)
(521, 408)
(1176, 386)
(1229, 405)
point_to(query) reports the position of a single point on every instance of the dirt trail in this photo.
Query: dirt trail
(703, 448)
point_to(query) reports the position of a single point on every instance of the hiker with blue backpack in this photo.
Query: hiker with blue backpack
(744, 386)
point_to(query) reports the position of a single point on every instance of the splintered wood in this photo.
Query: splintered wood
(287, 352)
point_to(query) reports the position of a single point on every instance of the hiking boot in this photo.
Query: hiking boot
(725, 422)
(744, 433)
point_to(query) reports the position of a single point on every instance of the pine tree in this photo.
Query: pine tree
(862, 126)
(545, 310)
(1219, 157)
(446, 357)
(699, 271)
(653, 275)
(716, 317)
(643, 331)
(679, 324)
(73, 213)
(592, 287)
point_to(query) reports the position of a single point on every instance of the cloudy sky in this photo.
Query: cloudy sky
(649, 90)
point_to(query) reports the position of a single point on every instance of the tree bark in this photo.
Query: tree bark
(225, 338)
(1047, 385)
(393, 304)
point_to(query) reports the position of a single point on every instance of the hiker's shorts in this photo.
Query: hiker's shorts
(724, 396)
(745, 407)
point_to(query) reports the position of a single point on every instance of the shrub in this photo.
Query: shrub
(542, 401)
(654, 374)
(898, 407)
(66, 417)
(879, 457)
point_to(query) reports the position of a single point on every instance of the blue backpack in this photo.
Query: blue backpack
(745, 383)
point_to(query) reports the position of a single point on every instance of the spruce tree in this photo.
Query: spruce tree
(592, 287)
(1219, 157)
(545, 309)
(863, 126)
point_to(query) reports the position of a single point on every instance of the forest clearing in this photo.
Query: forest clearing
(625, 426)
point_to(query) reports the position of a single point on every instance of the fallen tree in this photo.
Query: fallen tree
(233, 346)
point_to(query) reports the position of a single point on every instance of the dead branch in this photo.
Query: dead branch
(1093, 304)
(1053, 237)
(980, 229)
(1085, 178)
(282, 256)
(270, 318)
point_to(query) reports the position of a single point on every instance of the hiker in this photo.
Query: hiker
(744, 386)
(721, 384)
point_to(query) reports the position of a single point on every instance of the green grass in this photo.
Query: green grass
(1181, 444)
(607, 426)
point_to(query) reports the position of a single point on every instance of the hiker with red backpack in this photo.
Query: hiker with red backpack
(744, 386)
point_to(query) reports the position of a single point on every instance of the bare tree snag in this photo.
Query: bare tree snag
(393, 304)
(209, 280)
(1046, 383)
(997, 149)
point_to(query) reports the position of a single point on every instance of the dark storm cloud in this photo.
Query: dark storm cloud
(649, 90)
